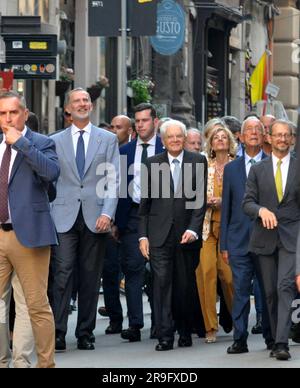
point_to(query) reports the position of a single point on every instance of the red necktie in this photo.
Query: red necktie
(4, 172)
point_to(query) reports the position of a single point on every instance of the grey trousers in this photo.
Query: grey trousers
(278, 275)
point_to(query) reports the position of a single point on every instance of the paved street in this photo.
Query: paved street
(113, 352)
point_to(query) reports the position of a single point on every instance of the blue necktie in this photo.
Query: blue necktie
(176, 173)
(80, 155)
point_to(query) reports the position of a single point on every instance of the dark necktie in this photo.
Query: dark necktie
(4, 172)
(144, 153)
(80, 155)
(252, 161)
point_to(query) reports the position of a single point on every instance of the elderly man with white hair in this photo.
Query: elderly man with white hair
(193, 142)
(170, 231)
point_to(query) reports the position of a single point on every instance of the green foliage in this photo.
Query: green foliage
(142, 90)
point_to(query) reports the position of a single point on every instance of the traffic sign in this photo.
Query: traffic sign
(105, 17)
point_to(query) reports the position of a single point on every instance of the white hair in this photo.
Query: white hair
(172, 123)
(194, 130)
(252, 118)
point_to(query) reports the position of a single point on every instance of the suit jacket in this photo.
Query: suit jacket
(72, 192)
(35, 167)
(236, 226)
(298, 255)
(159, 213)
(124, 204)
(261, 192)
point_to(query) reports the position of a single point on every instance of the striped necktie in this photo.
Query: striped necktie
(4, 175)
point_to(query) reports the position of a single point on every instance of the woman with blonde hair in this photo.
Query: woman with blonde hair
(221, 149)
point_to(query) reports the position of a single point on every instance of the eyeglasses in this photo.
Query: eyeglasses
(285, 136)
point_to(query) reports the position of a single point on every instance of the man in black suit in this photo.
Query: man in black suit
(272, 200)
(172, 211)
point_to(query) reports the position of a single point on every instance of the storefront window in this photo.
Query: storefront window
(35, 8)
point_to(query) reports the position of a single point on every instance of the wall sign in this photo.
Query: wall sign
(170, 32)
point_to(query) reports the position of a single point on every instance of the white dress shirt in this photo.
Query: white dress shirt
(284, 168)
(172, 165)
(86, 136)
(136, 196)
(248, 159)
(12, 160)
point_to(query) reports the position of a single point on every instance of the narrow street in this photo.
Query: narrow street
(113, 352)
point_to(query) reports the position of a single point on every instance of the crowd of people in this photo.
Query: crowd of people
(187, 218)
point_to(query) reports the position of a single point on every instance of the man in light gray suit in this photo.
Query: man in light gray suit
(272, 200)
(85, 204)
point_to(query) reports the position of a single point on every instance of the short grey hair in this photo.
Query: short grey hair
(172, 123)
(13, 94)
(252, 118)
(288, 124)
(194, 130)
(69, 94)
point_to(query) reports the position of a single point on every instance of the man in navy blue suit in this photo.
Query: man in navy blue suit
(28, 164)
(133, 156)
(236, 228)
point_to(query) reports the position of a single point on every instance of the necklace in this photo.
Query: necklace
(220, 171)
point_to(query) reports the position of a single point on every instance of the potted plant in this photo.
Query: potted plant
(96, 89)
(141, 89)
(65, 79)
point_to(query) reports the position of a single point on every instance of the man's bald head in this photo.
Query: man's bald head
(121, 125)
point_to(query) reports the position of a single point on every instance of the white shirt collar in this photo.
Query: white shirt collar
(179, 158)
(23, 134)
(151, 142)
(285, 160)
(257, 157)
(87, 129)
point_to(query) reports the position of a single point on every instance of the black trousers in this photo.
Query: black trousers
(111, 281)
(88, 249)
(133, 267)
(173, 271)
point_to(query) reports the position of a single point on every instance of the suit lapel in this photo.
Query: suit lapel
(165, 159)
(19, 157)
(269, 178)
(159, 148)
(68, 149)
(131, 154)
(291, 176)
(94, 143)
(242, 168)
